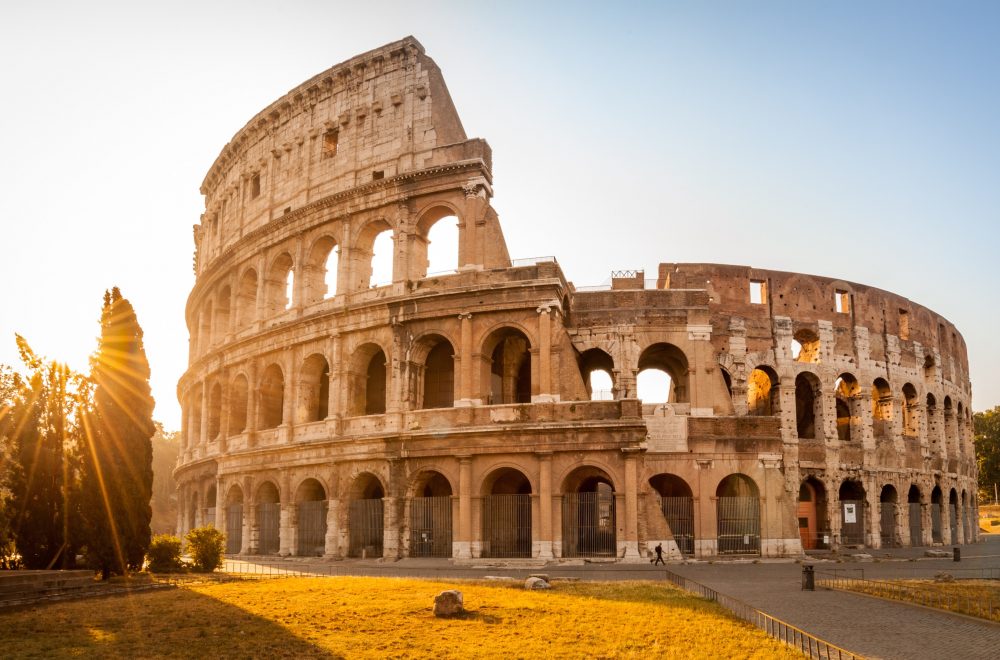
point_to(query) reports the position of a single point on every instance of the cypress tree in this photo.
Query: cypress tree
(118, 454)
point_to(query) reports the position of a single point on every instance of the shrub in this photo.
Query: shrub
(206, 546)
(164, 554)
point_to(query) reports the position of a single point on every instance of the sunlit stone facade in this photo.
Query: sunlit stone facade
(452, 415)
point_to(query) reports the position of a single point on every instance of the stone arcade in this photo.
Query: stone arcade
(452, 415)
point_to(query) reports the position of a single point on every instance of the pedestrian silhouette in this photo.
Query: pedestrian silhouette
(659, 555)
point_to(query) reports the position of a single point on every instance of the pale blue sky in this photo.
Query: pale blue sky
(840, 139)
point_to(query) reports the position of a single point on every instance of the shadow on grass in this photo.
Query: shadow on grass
(166, 623)
(474, 615)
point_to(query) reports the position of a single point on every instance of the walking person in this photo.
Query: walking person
(659, 555)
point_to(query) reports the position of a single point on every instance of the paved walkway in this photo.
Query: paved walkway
(873, 627)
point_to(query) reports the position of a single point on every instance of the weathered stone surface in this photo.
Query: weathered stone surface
(944, 577)
(318, 399)
(448, 603)
(534, 583)
(938, 554)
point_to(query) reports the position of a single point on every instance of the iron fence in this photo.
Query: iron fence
(982, 606)
(887, 526)
(430, 526)
(679, 512)
(311, 541)
(739, 526)
(810, 645)
(268, 524)
(953, 519)
(588, 522)
(365, 522)
(852, 527)
(916, 524)
(234, 528)
(936, 536)
(507, 526)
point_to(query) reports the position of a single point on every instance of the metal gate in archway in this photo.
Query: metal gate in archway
(507, 526)
(852, 522)
(234, 528)
(268, 523)
(430, 526)
(916, 525)
(588, 524)
(210, 516)
(887, 525)
(365, 521)
(936, 535)
(738, 525)
(679, 512)
(953, 511)
(311, 541)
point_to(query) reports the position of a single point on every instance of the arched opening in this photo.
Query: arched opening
(439, 375)
(367, 381)
(510, 367)
(888, 499)
(238, 405)
(507, 514)
(383, 248)
(929, 368)
(311, 507)
(937, 504)
(214, 411)
(588, 514)
(847, 392)
(762, 393)
(205, 328)
(210, 505)
(915, 516)
(194, 424)
(272, 398)
(246, 299)
(813, 530)
(222, 309)
(366, 517)
(430, 516)
(375, 384)
(268, 519)
(852, 510)
(314, 389)
(911, 411)
(953, 515)
(677, 505)
(321, 270)
(234, 520)
(881, 409)
(808, 405)
(805, 346)
(966, 521)
(279, 285)
(949, 427)
(442, 246)
(738, 516)
(663, 375)
(596, 368)
(193, 511)
(959, 428)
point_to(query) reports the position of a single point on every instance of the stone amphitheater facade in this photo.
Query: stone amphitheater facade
(452, 415)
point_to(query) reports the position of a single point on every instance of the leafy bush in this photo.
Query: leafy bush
(206, 546)
(164, 554)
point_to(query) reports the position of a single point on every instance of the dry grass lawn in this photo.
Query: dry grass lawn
(979, 598)
(383, 617)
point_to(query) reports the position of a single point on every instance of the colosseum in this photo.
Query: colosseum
(458, 412)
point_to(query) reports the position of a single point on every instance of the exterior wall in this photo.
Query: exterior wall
(280, 391)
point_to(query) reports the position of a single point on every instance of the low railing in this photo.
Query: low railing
(810, 645)
(981, 606)
(532, 261)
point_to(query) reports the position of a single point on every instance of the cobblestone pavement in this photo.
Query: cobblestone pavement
(869, 626)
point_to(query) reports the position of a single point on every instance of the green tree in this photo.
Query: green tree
(165, 448)
(118, 455)
(43, 431)
(10, 385)
(987, 429)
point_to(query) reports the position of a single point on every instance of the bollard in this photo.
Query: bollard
(808, 578)
(957, 553)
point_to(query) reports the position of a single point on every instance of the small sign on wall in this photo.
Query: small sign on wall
(850, 513)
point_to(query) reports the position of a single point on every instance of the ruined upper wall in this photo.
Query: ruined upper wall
(893, 322)
(373, 117)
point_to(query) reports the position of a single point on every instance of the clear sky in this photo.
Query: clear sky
(851, 139)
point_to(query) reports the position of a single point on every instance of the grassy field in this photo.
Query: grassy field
(384, 617)
(979, 598)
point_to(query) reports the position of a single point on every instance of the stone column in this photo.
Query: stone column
(462, 545)
(545, 390)
(545, 505)
(467, 388)
(631, 505)
(390, 527)
(332, 528)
